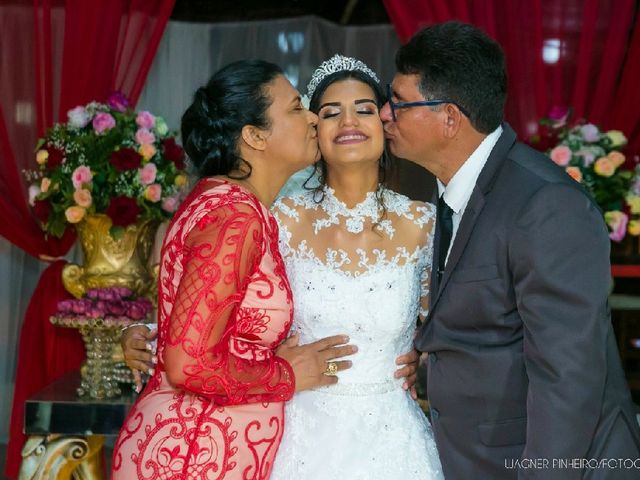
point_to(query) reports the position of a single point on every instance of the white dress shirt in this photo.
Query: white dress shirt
(459, 189)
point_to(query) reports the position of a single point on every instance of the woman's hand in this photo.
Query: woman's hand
(409, 362)
(310, 362)
(139, 354)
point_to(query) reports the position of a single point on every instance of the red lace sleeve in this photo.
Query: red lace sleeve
(201, 352)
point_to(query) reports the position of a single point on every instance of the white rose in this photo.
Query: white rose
(34, 191)
(161, 126)
(78, 117)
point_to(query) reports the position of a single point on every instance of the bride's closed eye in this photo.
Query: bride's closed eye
(330, 113)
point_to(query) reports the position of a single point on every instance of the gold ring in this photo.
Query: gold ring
(332, 369)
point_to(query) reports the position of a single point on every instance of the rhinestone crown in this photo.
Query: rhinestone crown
(337, 63)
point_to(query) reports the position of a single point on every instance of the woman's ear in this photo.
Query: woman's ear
(254, 137)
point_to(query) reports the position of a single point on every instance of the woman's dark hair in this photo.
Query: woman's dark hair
(458, 62)
(235, 96)
(385, 163)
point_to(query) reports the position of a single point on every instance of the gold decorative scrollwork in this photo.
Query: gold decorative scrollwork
(62, 458)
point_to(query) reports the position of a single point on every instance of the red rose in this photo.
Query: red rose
(55, 158)
(41, 209)
(126, 159)
(123, 211)
(174, 152)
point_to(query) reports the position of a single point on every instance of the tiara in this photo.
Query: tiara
(337, 63)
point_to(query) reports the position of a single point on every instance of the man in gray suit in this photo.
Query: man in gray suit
(524, 378)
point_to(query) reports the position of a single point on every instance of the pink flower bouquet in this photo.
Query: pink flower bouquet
(105, 156)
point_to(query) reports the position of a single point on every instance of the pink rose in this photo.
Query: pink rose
(561, 155)
(617, 222)
(147, 174)
(144, 137)
(153, 193)
(116, 308)
(103, 122)
(80, 306)
(82, 197)
(590, 132)
(65, 306)
(80, 176)
(145, 120)
(170, 204)
(123, 292)
(135, 312)
(74, 214)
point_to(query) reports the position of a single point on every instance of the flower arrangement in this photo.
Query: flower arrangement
(106, 159)
(114, 303)
(592, 157)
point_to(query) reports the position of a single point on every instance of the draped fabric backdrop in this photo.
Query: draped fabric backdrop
(53, 58)
(583, 54)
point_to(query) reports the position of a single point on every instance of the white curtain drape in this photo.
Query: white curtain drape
(188, 55)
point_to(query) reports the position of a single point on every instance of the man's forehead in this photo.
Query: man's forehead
(406, 80)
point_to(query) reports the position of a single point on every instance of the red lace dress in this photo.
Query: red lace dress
(214, 407)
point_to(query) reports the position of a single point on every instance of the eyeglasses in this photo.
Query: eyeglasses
(421, 103)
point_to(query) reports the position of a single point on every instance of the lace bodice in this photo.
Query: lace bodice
(356, 271)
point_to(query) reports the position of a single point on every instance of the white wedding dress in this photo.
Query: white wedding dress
(371, 284)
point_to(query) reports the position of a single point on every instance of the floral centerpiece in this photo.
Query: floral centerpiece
(593, 158)
(106, 159)
(99, 317)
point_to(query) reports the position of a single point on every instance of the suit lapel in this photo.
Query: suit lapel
(476, 203)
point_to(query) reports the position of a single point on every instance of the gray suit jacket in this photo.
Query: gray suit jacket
(523, 362)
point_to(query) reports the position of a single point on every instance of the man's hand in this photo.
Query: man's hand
(139, 354)
(409, 362)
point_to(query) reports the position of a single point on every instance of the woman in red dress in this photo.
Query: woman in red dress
(213, 407)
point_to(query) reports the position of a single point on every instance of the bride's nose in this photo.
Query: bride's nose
(349, 118)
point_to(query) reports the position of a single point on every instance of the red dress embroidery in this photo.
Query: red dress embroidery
(214, 407)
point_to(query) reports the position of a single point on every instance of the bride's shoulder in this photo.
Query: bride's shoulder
(293, 206)
(420, 212)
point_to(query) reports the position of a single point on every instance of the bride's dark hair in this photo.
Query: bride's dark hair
(385, 163)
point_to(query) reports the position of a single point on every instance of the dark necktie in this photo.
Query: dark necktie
(445, 219)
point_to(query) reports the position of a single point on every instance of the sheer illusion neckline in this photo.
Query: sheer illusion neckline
(355, 216)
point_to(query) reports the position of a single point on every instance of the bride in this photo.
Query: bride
(358, 256)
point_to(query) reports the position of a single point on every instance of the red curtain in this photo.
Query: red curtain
(583, 54)
(55, 55)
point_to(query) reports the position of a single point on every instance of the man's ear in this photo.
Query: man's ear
(452, 120)
(254, 137)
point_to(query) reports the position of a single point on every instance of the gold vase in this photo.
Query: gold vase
(111, 262)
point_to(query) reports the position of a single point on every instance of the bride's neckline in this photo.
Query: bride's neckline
(354, 217)
(368, 206)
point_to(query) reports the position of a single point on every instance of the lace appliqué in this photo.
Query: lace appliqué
(355, 217)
